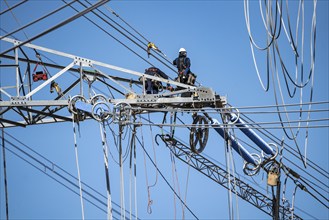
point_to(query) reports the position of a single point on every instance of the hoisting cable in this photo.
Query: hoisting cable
(154, 153)
(106, 165)
(149, 200)
(173, 181)
(172, 158)
(226, 149)
(142, 145)
(133, 152)
(175, 178)
(188, 171)
(187, 181)
(231, 159)
(78, 168)
(173, 116)
(122, 192)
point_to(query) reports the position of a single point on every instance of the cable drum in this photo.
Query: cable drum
(199, 134)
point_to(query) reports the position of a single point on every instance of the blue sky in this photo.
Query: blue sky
(215, 36)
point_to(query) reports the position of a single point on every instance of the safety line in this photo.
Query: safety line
(122, 191)
(163, 177)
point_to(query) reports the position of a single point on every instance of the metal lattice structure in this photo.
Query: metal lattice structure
(221, 176)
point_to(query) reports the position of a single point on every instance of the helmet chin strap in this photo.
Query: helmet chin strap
(182, 54)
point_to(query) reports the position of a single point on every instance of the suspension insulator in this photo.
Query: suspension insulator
(199, 134)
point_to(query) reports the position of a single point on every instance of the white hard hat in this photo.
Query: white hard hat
(182, 50)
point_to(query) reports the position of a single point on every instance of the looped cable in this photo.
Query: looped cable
(237, 115)
(251, 169)
(272, 157)
(149, 205)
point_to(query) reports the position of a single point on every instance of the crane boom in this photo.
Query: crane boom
(220, 176)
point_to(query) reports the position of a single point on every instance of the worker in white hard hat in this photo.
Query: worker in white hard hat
(183, 64)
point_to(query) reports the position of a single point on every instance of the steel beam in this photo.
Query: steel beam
(97, 63)
(24, 102)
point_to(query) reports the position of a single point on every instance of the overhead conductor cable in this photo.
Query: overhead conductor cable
(72, 18)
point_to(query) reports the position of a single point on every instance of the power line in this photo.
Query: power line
(66, 21)
(5, 171)
(215, 160)
(37, 20)
(129, 38)
(290, 149)
(228, 125)
(52, 167)
(12, 7)
(304, 178)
